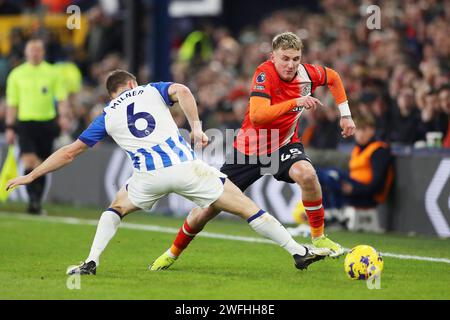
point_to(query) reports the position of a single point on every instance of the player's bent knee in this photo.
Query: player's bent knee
(118, 209)
(310, 178)
(303, 173)
(123, 207)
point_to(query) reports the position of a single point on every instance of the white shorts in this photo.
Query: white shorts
(194, 180)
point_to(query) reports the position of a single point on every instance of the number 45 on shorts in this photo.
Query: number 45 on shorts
(292, 153)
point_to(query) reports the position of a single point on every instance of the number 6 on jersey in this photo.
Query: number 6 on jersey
(132, 118)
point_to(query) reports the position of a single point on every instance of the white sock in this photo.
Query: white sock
(106, 229)
(269, 227)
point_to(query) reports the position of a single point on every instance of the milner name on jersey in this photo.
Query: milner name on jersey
(140, 122)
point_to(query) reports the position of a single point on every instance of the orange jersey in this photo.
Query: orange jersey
(262, 137)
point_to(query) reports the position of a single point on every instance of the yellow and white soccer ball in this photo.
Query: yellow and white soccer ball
(363, 262)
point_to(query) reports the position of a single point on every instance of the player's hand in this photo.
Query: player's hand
(10, 136)
(18, 181)
(348, 126)
(199, 138)
(308, 102)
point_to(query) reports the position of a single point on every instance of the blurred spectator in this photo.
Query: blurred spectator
(434, 119)
(370, 174)
(444, 101)
(393, 73)
(9, 7)
(323, 130)
(406, 119)
(100, 43)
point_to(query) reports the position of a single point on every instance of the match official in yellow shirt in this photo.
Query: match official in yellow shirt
(35, 96)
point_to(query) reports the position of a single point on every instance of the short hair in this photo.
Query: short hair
(287, 40)
(35, 40)
(116, 79)
(365, 121)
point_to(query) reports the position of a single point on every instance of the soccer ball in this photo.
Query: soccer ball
(363, 262)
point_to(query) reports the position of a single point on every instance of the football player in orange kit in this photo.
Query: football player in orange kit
(281, 90)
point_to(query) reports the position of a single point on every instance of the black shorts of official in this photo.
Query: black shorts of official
(37, 137)
(244, 170)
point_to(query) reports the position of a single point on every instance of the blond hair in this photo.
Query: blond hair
(287, 40)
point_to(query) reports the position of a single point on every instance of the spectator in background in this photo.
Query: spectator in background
(99, 42)
(370, 174)
(9, 7)
(406, 119)
(444, 101)
(323, 129)
(17, 42)
(410, 53)
(434, 119)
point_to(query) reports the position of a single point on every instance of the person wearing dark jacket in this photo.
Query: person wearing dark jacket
(370, 174)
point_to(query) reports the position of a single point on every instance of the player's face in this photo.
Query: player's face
(286, 62)
(34, 52)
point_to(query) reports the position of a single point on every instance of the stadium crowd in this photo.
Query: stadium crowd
(400, 73)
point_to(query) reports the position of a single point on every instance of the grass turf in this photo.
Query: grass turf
(34, 255)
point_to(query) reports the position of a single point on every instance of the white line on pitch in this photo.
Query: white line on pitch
(145, 227)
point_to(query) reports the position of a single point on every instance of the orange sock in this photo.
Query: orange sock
(314, 211)
(185, 235)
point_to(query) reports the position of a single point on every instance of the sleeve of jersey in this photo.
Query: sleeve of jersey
(163, 89)
(321, 76)
(261, 112)
(317, 74)
(261, 84)
(95, 132)
(336, 86)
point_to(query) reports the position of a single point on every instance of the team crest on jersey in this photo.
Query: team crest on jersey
(306, 89)
(261, 77)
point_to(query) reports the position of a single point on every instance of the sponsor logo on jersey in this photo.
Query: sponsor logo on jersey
(261, 77)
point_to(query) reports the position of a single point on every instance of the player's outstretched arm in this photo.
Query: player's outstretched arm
(57, 160)
(262, 112)
(336, 87)
(181, 94)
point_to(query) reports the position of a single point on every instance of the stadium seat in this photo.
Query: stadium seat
(363, 219)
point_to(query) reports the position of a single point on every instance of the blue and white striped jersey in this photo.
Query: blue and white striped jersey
(140, 122)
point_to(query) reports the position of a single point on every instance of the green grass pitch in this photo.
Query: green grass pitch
(34, 255)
